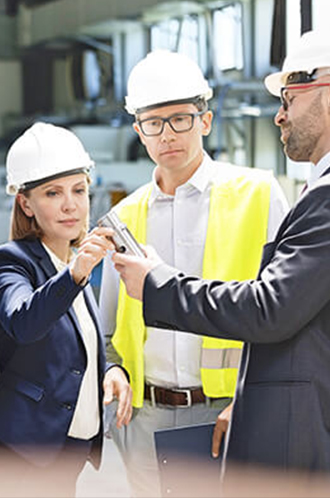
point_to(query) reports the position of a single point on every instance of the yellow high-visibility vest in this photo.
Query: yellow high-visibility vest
(236, 233)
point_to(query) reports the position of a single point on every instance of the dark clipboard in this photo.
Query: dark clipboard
(186, 467)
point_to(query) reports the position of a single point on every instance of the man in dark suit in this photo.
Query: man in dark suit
(281, 416)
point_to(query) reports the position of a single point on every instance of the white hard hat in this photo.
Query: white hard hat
(311, 52)
(42, 153)
(163, 77)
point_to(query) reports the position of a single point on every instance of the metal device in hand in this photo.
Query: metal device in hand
(123, 239)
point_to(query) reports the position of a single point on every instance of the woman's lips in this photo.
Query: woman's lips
(69, 222)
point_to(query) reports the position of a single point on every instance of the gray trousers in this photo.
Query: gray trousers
(136, 442)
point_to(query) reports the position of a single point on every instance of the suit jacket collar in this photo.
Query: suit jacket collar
(38, 251)
(326, 172)
(42, 258)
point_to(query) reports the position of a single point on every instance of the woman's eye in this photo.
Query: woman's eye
(80, 190)
(51, 193)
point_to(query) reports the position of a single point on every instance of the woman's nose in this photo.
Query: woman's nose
(68, 203)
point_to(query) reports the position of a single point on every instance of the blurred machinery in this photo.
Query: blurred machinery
(67, 62)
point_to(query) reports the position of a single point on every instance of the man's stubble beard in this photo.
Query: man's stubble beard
(305, 133)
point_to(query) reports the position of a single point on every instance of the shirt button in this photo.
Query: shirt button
(67, 406)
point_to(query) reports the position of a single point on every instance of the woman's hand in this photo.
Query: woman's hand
(116, 385)
(91, 251)
(220, 429)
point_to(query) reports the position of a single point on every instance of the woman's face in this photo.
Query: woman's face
(61, 209)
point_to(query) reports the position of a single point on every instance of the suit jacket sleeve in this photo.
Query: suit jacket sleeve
(28, 313)
(290, 290)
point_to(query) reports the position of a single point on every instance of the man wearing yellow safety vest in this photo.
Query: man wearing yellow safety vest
(207, 218)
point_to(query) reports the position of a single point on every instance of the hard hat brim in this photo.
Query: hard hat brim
(275, 81)
(12, 190)
(191, 100)
(133, 109)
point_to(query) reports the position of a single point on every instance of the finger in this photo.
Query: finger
(108, 394)
(103, 231)
(149, 251)
(122, 259)
(87, 261)
(98, 241)
(120, 269)
(218, 432)
(93, 250)
(128, 416)
(124, 406)
(129, 408)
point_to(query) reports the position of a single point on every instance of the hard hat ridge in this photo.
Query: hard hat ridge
(163, 78)
(311, 52)
(43, 152)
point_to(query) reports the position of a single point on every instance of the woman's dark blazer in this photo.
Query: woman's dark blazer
(42, 352)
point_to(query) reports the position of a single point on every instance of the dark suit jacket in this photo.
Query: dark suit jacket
(282, 410)
(42, 354)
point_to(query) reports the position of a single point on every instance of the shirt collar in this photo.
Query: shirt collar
(319, 169)
(199, 180)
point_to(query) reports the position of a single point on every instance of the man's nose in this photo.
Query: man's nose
(168, 134)
(280, 117)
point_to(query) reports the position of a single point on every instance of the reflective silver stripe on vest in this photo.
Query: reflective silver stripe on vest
(221, 358)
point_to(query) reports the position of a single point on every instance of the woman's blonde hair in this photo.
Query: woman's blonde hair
(26, 227)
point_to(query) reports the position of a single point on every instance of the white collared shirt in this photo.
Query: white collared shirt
(86, 418)
(176, 227)
(318, 169)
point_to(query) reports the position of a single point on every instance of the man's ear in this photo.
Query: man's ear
(207, 122)
(24, 203)
(138, 131)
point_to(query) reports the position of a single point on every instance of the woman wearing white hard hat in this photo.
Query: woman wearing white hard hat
(53, 379)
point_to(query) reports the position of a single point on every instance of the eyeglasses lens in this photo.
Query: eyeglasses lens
(178, 122)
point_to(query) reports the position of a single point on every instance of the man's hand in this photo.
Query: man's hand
(133, 270)
(116, 385)
(220, 429)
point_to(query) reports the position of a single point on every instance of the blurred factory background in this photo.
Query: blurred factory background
(67, 62)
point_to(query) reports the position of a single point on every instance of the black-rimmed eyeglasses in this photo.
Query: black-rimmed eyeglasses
(179, 123)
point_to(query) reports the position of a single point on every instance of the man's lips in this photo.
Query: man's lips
(284, 135)
(169, 152)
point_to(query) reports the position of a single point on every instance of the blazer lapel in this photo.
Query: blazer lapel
(49, 269)
(92, 308)
(326, 172)
(45, 262)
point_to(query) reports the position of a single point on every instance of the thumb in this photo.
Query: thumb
(108, 394)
